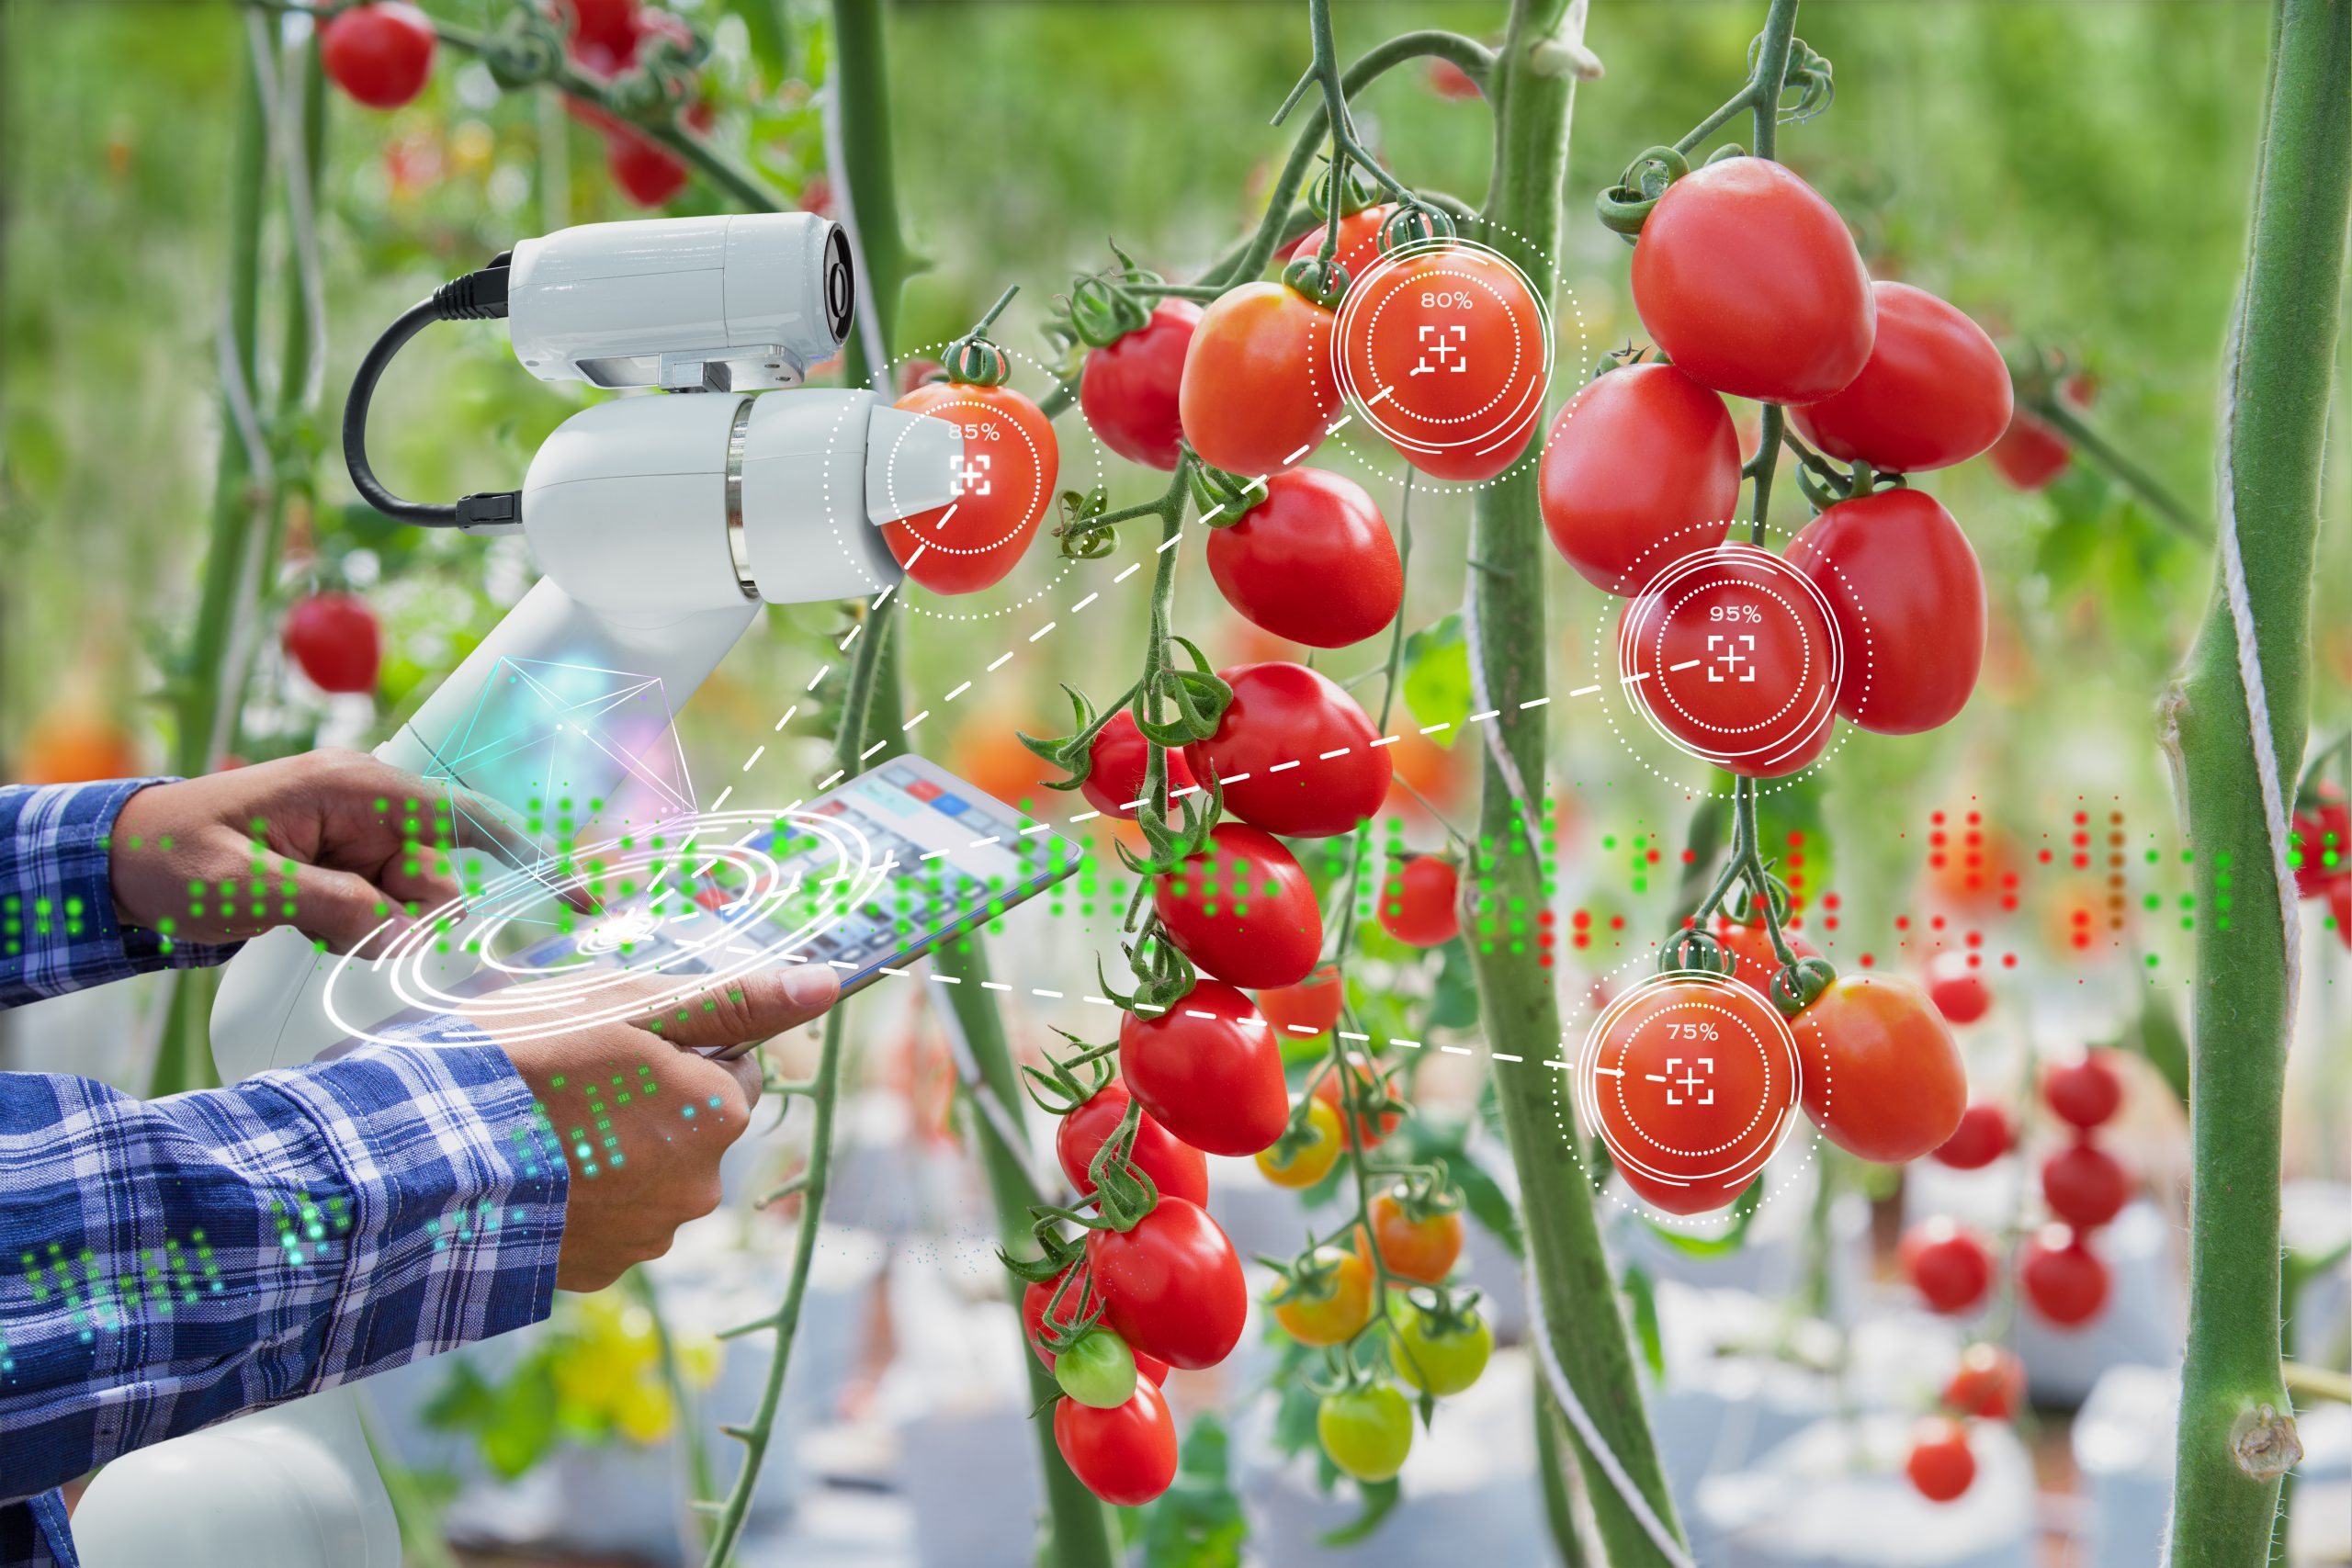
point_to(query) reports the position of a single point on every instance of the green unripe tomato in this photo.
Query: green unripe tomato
(1367, 1431)
(1099, 1371)
(1434, 1362)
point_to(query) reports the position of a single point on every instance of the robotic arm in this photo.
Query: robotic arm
(660, 525)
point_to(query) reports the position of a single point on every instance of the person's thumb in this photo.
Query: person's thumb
(744, 1011)
(346, 911)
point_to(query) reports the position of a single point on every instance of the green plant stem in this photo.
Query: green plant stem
(1080, 1531)
(873, 665)
(2087, 438)
(869, 166)
(182, 1062)
(2236, 1433)
(1552, 1468)
(1516, 1002)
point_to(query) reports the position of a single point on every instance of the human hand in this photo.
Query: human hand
(334, 843)
(641, 1115)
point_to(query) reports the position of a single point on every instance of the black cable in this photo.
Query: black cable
(477, 295)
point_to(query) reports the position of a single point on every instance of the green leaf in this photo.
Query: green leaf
(1437, 676)
(770, 50)
(2157, 1035)
(1455, 1003)
(1380, 1500)
(1640, 1299)
(1197, 1522)
(1743, 1214)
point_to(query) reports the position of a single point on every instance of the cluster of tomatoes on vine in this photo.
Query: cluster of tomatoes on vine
(2060, 1278)
(381, 53)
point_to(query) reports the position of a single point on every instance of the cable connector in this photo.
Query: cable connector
(497, 511)
(477, 297)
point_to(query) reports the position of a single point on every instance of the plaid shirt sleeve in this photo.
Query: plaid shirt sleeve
(171, 1263)
(58, 931)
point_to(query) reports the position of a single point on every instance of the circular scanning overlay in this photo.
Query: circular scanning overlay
(1733, 655)
(706, 900)
(1003, 481)
(1447, 348)
(1691, 1080)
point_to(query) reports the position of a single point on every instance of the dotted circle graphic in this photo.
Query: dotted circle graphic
(1576, 1105)
(1695, 547)
(445, 947)
(1524, 390)
(926, 604)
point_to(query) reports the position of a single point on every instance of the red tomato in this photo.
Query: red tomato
(1883, 1079)
(1690, 1117)
(646, 172)
(607, 25)
(1171, 1286)
(1989, 1383)
(1208, 1070)
(1309, 1008)
(1242, 909)
(1958, 988)
(1364, 1127)
(1312, 562)
(2029, 454)
(1040, 1294)
(1908, 598)
(1444, 346)
(1424, 1250)
(1448, 80)
(1359, 239)
(1940, 1465)
(1420, 902)
(335, 638)
(2085, 1092)
(2084, 1185)
(1982, 1137)
(1750, 282)
(1948, 1265)
(1176, 1168)
(2320, 855)
(2064, 1280)
(1755, 963)
(1256, 393)
(1269, 753)
(1755, 700)
(1011, 460)
(1125, 1455)
(1128, 387)
(1641, 467)
(1934, 391)
(381, 54)
(1116, 763)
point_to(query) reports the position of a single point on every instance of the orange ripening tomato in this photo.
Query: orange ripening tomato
(1257, 394)
(1444, 346)
(1882, 1079)
(1367, 1126)
(1010, 461)
(1333, 1308)
(1755, 963)
(71, 747)
(1307, 1009)
(1423, 1250)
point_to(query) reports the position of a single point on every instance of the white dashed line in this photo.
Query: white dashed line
(757, 753)
(1507, 1056)
(1387, 740)
(816, 677)
(851, 639)
(787, 718)
(983, 843)
(1278, 767)
(1434, 728)
(1041, 631)
(1168, 543)
(1455, 1050)
(1000, 663)
(957, 691)
(1584, 691)
(1085, 816)
(1082, 603)
(994, 985)
(1344, 1035)
(1334, 430)
(720, 801)
(832, 779)
(871, 749)
(912, 722)
(1126, 574)
(1686, 664)
(1482, 717)
(1336, 752)
(1295, 456)
(1041, 991)
(1534, 702)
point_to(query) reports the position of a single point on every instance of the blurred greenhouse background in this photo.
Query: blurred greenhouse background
(2072, 173)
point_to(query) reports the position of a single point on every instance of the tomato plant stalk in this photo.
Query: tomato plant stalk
(2237, 722)
(1507, 621)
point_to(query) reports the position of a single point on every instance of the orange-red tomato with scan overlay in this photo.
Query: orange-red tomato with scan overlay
(1690, 1083)
(1444, 346)
(1010, 461)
